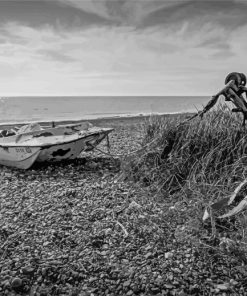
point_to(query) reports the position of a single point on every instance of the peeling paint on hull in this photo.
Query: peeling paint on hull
(72, 149)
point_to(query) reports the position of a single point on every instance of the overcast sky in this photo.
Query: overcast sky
(120, 47)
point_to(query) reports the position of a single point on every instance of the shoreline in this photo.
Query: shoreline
(97, 121)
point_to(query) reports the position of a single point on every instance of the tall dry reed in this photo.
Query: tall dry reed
(207, 154)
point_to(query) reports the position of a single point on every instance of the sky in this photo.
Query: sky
(120, 47)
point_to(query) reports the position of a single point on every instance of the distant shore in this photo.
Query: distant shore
(99, 121)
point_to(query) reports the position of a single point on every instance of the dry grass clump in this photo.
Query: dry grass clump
(198, 162)
(204, 151)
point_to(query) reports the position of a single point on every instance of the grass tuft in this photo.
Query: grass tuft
(211, 150)
(198, 162)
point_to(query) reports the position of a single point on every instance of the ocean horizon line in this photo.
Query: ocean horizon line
(87, 118)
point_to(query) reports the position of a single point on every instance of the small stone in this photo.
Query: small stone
(169, 286)
(168, 255)
(26, 248)
(8, 175)
(43, 271)
(43, 292)
(126, 284)
(148, 255)
(16, 283)
(5, 272)
(135, 288)
(159, 280)
(92, 279)
(27, 270)
(130, 292)
(233, 282)
(177, 270)
(5, 284)
(74, 274)
(107, 231)
(134, 204)
(155, 290)
(222, 287)
(93, 165)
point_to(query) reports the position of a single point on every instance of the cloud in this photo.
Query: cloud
(166, 48)
(228, 14)
(123, 11)
(38, 13)
(55, 56)
(152, 12)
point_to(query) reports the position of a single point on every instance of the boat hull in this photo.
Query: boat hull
(19, 157)
(23, 156)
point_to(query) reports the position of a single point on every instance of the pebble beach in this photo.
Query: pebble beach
(80, 228)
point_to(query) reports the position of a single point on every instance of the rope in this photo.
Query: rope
(210, 104)
(125, 154)
(141, 149)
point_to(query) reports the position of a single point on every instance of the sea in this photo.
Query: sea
(45, 109)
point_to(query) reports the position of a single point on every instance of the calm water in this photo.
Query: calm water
(29, 109)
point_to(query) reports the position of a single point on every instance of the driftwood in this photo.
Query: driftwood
(239, 208)
(232, 92)
(221, 204)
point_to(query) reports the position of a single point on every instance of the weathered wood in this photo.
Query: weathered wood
(230, 84)
(238, 100)
(214, 99)
(231, 92)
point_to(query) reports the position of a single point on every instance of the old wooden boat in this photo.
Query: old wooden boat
(33, 144)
